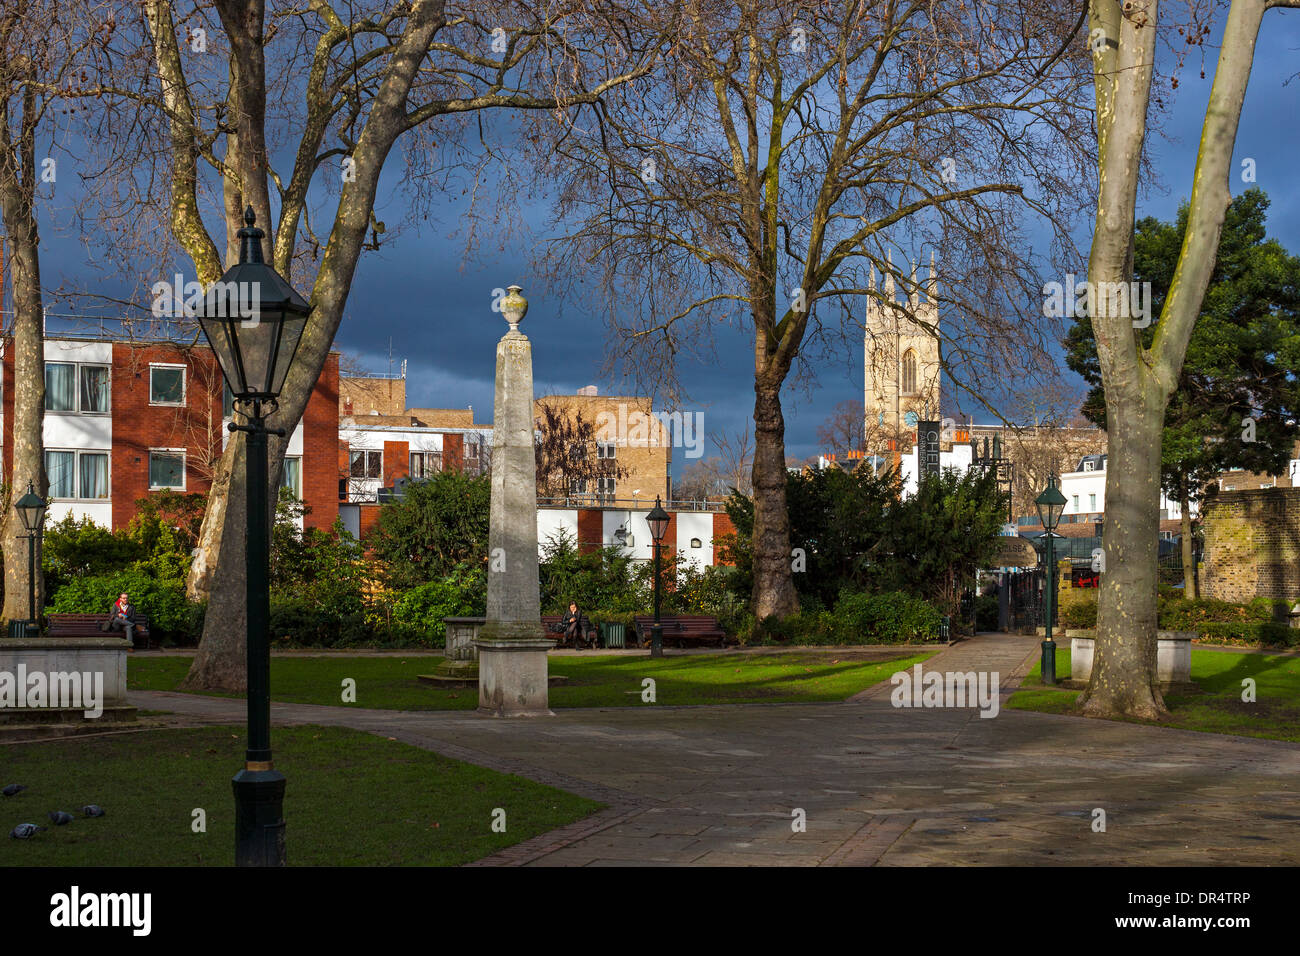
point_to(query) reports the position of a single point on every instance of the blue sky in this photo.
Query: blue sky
(419, 292)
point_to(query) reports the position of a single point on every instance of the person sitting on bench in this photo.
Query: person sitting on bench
(121, 617)
(574, 625)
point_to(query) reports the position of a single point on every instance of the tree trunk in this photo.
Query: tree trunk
(774, 591)
(1124, 667)
(1191, 588)
(29, 405)
(17, 208)
(219, 569)
(219, 663)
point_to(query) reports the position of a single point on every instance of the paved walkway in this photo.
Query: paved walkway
(877, 784)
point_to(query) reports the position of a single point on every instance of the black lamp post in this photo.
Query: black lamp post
(255, 347)
(31, 512)
(657, 519)
(1050, 505)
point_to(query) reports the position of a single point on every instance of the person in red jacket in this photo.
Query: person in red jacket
(121, 617)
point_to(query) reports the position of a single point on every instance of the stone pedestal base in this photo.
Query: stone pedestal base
(512, 677)
(69, 666)
(1173, 657)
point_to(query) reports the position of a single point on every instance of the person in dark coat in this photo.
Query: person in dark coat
(575, 625)
(121, 617)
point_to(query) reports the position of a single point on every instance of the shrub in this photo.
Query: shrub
(1077, 614)
(889, 618)
(418, 613)
(1268, 633)
(163, 600)
(305, 620)
(986, 612)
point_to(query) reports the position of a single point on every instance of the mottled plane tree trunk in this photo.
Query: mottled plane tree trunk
(1138, 381)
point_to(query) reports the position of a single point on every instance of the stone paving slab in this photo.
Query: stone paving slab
(879, 785)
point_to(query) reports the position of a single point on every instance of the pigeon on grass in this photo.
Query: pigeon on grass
(12, 789)
(93, 810)
(25, 831)
(59, 817)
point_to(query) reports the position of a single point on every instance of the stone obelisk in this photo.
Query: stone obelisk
(512, 646)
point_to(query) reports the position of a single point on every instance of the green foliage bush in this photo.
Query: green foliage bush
(439, 523)
(1079, 612)
(889, 618)
(420, 610)
(171, 615)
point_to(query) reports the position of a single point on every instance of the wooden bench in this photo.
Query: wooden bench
(550, 621)
(87, 625)
(682, 630)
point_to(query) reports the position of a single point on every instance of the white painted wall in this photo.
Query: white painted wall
(692, 524)
(100, 512)
(959, 460)
(554, 521)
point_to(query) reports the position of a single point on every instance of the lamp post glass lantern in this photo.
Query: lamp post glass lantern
(254, 320)
(1050, 505)
(31, 512)
(657, 519)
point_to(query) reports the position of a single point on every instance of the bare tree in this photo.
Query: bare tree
(781, 152)
(567, 452)
(237, 84)
(43, 44)
(844, 430)
(1137, 380)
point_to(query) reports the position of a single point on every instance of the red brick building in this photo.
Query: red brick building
(124, 419)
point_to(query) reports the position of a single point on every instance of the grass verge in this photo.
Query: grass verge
(1274, 714)
(391, 683)
(353, 799)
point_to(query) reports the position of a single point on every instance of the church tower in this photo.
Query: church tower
(900, 361)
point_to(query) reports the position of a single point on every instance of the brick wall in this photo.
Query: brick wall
(139, 426)
(397, 461)
(320, 439)
(591, 529)
(1252, 545)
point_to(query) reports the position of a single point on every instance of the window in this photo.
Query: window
(77, 474)
(1092, 502)
(577, 486)
(366, 464)
(909, 372)
(1076, 502)
(696, 543)
(605, 449)
(1267, 484)
(473, 447)
(425, 464)
(166, 385)
(605, 488)
(292, 477)
(167, 469)
(76, 388)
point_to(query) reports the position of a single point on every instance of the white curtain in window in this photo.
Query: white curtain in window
(60, 466)
(292, 478)
(60, 387)
(94, 476)
(94, 388)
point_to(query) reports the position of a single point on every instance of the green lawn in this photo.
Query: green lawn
(352, 799)
(1274, 714)
(389, 683)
